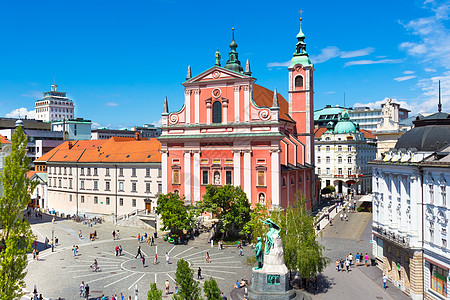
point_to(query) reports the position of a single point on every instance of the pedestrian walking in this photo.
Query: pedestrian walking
(46, 242)
(82, 289)
(117, 250)
(207, 258)
(145, 236)
(143, 261)
(139, 237)
(117, 234)
(139, 253)
(366, 258)
(120, 250)
(86, 291)
(384, 280)
(350, 258)
(331, 222)
(240, 252)
(342, 216)
(80, 235)
(37, 254)
(176, 288)
(199, 273)
(342, 265)
(155, 260)
(337, 264)
(167, 286)
(347, 265)
(114, 234)
(153, 241)
(167, 258)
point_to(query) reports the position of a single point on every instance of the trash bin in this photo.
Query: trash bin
(373, 262)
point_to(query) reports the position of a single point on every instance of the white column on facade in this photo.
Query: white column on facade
(291, 88)
(276, 173)
(236, 103)
(208, 111)
(248, 174)
(197, 105)
(187, 175)
(196, 172)
(187, 104)
(246, 103)
(415, 203)
(237, 167)
(225, 111)
(164, 171)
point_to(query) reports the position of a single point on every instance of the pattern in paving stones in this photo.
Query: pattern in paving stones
(59, 274)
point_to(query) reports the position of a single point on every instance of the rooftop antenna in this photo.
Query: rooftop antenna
(344, 99)
(439, 105)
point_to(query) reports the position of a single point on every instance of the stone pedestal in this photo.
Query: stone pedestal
(272, 281)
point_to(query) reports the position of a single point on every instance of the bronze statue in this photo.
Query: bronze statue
(259, 255)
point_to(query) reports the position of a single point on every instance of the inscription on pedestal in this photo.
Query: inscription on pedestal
(273, 279)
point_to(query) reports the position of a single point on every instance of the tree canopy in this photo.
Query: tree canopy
(211, 289)
(230, 205)
(154, 293)
(15, 233)
(302, 251)
(174, 214)
(188, 287)
(255, 228)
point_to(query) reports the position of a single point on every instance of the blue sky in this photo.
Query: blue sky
(118, 59)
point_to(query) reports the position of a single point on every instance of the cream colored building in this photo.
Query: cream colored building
(103, 177)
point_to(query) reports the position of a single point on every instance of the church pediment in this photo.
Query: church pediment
(216, 73)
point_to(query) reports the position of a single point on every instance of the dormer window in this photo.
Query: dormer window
(217, 112)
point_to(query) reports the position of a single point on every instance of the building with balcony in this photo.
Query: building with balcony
(342, 152)
(53, 106)
(103, 177)
(411, 209)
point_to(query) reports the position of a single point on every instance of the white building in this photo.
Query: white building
(103, 177)
(411, 211)
(54, 106)
(369, 118)
(342, 153)
(74, 129)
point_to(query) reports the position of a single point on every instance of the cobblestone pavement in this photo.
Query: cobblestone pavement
(352, 236)
(59, 274)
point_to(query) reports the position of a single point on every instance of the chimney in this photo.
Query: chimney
(136, 136)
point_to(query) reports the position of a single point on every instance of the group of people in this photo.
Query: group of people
(84, 293)
(93, 235)
(146, 238)
(75, 250)
(116, 234)
(118, 250)
(344, 265)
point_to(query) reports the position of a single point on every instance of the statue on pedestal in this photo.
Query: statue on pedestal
(259, 254)
(271, 234)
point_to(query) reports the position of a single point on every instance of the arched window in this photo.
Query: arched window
(262, 198)
(299, 81)
(217, 112)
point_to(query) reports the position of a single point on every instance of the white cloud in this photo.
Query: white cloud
(430, 45)
(21, 113)
(357, 53)
(157, 123)
(377, 104)
(111, 104)
(278, 64)
(408, 72)
(331, 92)
(404, 78)
(371, 62)
(328, 53)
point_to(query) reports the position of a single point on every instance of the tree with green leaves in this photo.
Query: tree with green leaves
(188, 287)
(174, 214)
(255, 228)
(15, 233)
(230, 205)
(154, 293)
(212, 290)
(302, 251)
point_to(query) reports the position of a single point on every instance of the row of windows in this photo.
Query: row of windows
(328, 172)
(107, 201)
(443, 194)
(339, 160)
(58, 183)
(300, 180)
(339, 148)
(216, 177)
(68, 170)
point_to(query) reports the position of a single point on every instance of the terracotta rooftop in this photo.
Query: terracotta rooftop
(114, 150)
(4, 140)
(264, 97)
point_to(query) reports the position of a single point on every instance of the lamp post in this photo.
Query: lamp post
(136, 293)
(35, 297)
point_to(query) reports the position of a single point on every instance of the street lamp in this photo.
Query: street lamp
(35, 297)
(136, 293)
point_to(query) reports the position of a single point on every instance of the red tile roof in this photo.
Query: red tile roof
(4, 140)
(264, 97)
(31, 173)
(114, 150)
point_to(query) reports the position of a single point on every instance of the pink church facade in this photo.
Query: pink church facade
(232, 131)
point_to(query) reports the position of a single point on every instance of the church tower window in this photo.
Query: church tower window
(299, 81)
(217, 112)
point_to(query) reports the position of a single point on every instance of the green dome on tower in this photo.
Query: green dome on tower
(344, 125)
